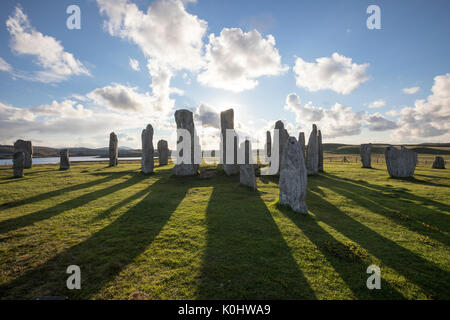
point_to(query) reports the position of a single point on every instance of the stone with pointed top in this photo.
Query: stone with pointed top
(283, 136)
(312, 154)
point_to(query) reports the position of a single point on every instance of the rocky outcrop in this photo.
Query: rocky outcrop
(27, 148)
(438, 163)
(400, 163)
(64, 162)
(293, 177)
(365, 151)
(163, 152)
(227, 123)
(148, 151)
(113, 150)
(18, 164)
(312, 153)
(185, 120)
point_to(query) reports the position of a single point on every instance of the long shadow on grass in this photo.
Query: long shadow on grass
(246, 256)
(350, 264)
(43, 196)
(23, 221)
(102, 256)
(420, 219)
(431, 278)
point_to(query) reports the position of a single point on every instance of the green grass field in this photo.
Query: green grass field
(192, 238)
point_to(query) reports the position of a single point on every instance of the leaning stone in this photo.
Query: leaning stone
(312, 154)
(27, 148)
(64, 162)
(283, 136)
(227, 122)
(365, 151)
(438, 163)
(18, 164)
(113, 150)
(185, 120)
(319, 140)
(400, 163)
(148, 151)
(293, 177)
(163, 152)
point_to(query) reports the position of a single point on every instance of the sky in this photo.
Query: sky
(134, 62)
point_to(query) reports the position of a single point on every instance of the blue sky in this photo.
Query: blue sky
(101, 92)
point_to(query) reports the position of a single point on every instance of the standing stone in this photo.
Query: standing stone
(312, 154)
(27, 148)
(400, 163)
(18, 164)
(283, 136)
(438, 163)
(227, 122)
(293, 177)
(148, 151)
(319, 140)
(268, 144)
(163, 152)
(365, 151)
(64, 162)
(301, 140)
(247, 175)
(113, 150)
(185, 120)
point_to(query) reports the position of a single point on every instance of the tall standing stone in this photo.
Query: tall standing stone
(400, 163)
(247, 175)
(312, 154)
(113, 150)
(148, 151)
(365, 151)
(293, 177)
(438, 163)
(18, 164)
(268, 144)
(319, 141)
(163, 152)
(64, 162)
(27, 148)
(227, 123)
(283, 136)
(301, 140)
(185, 120)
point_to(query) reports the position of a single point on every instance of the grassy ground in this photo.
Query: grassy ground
(188, 238)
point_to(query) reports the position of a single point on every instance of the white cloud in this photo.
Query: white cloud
(411, 90)
(166, 32)
(57, 63)
(236, 58)
(430, 117)
(377, 104)
(64, 109)
(207, 116)
(134, 64)
(5, 66)
(376, 122)
(336, 73)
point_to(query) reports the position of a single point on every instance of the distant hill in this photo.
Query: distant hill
(424, 148)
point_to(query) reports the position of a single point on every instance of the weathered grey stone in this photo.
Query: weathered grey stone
(227, 122)
(268, 144)
(27, 148)
(113, 150)
(319, 141)
(64, 162)
(148, 151)
(400, 163)
(283, 136)
(301, 140)
(185, 120)
(163, 152)
(438, 163)
(18, 164)
(247, 175)
(293, 177)
(365, 151)
(312, 154)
